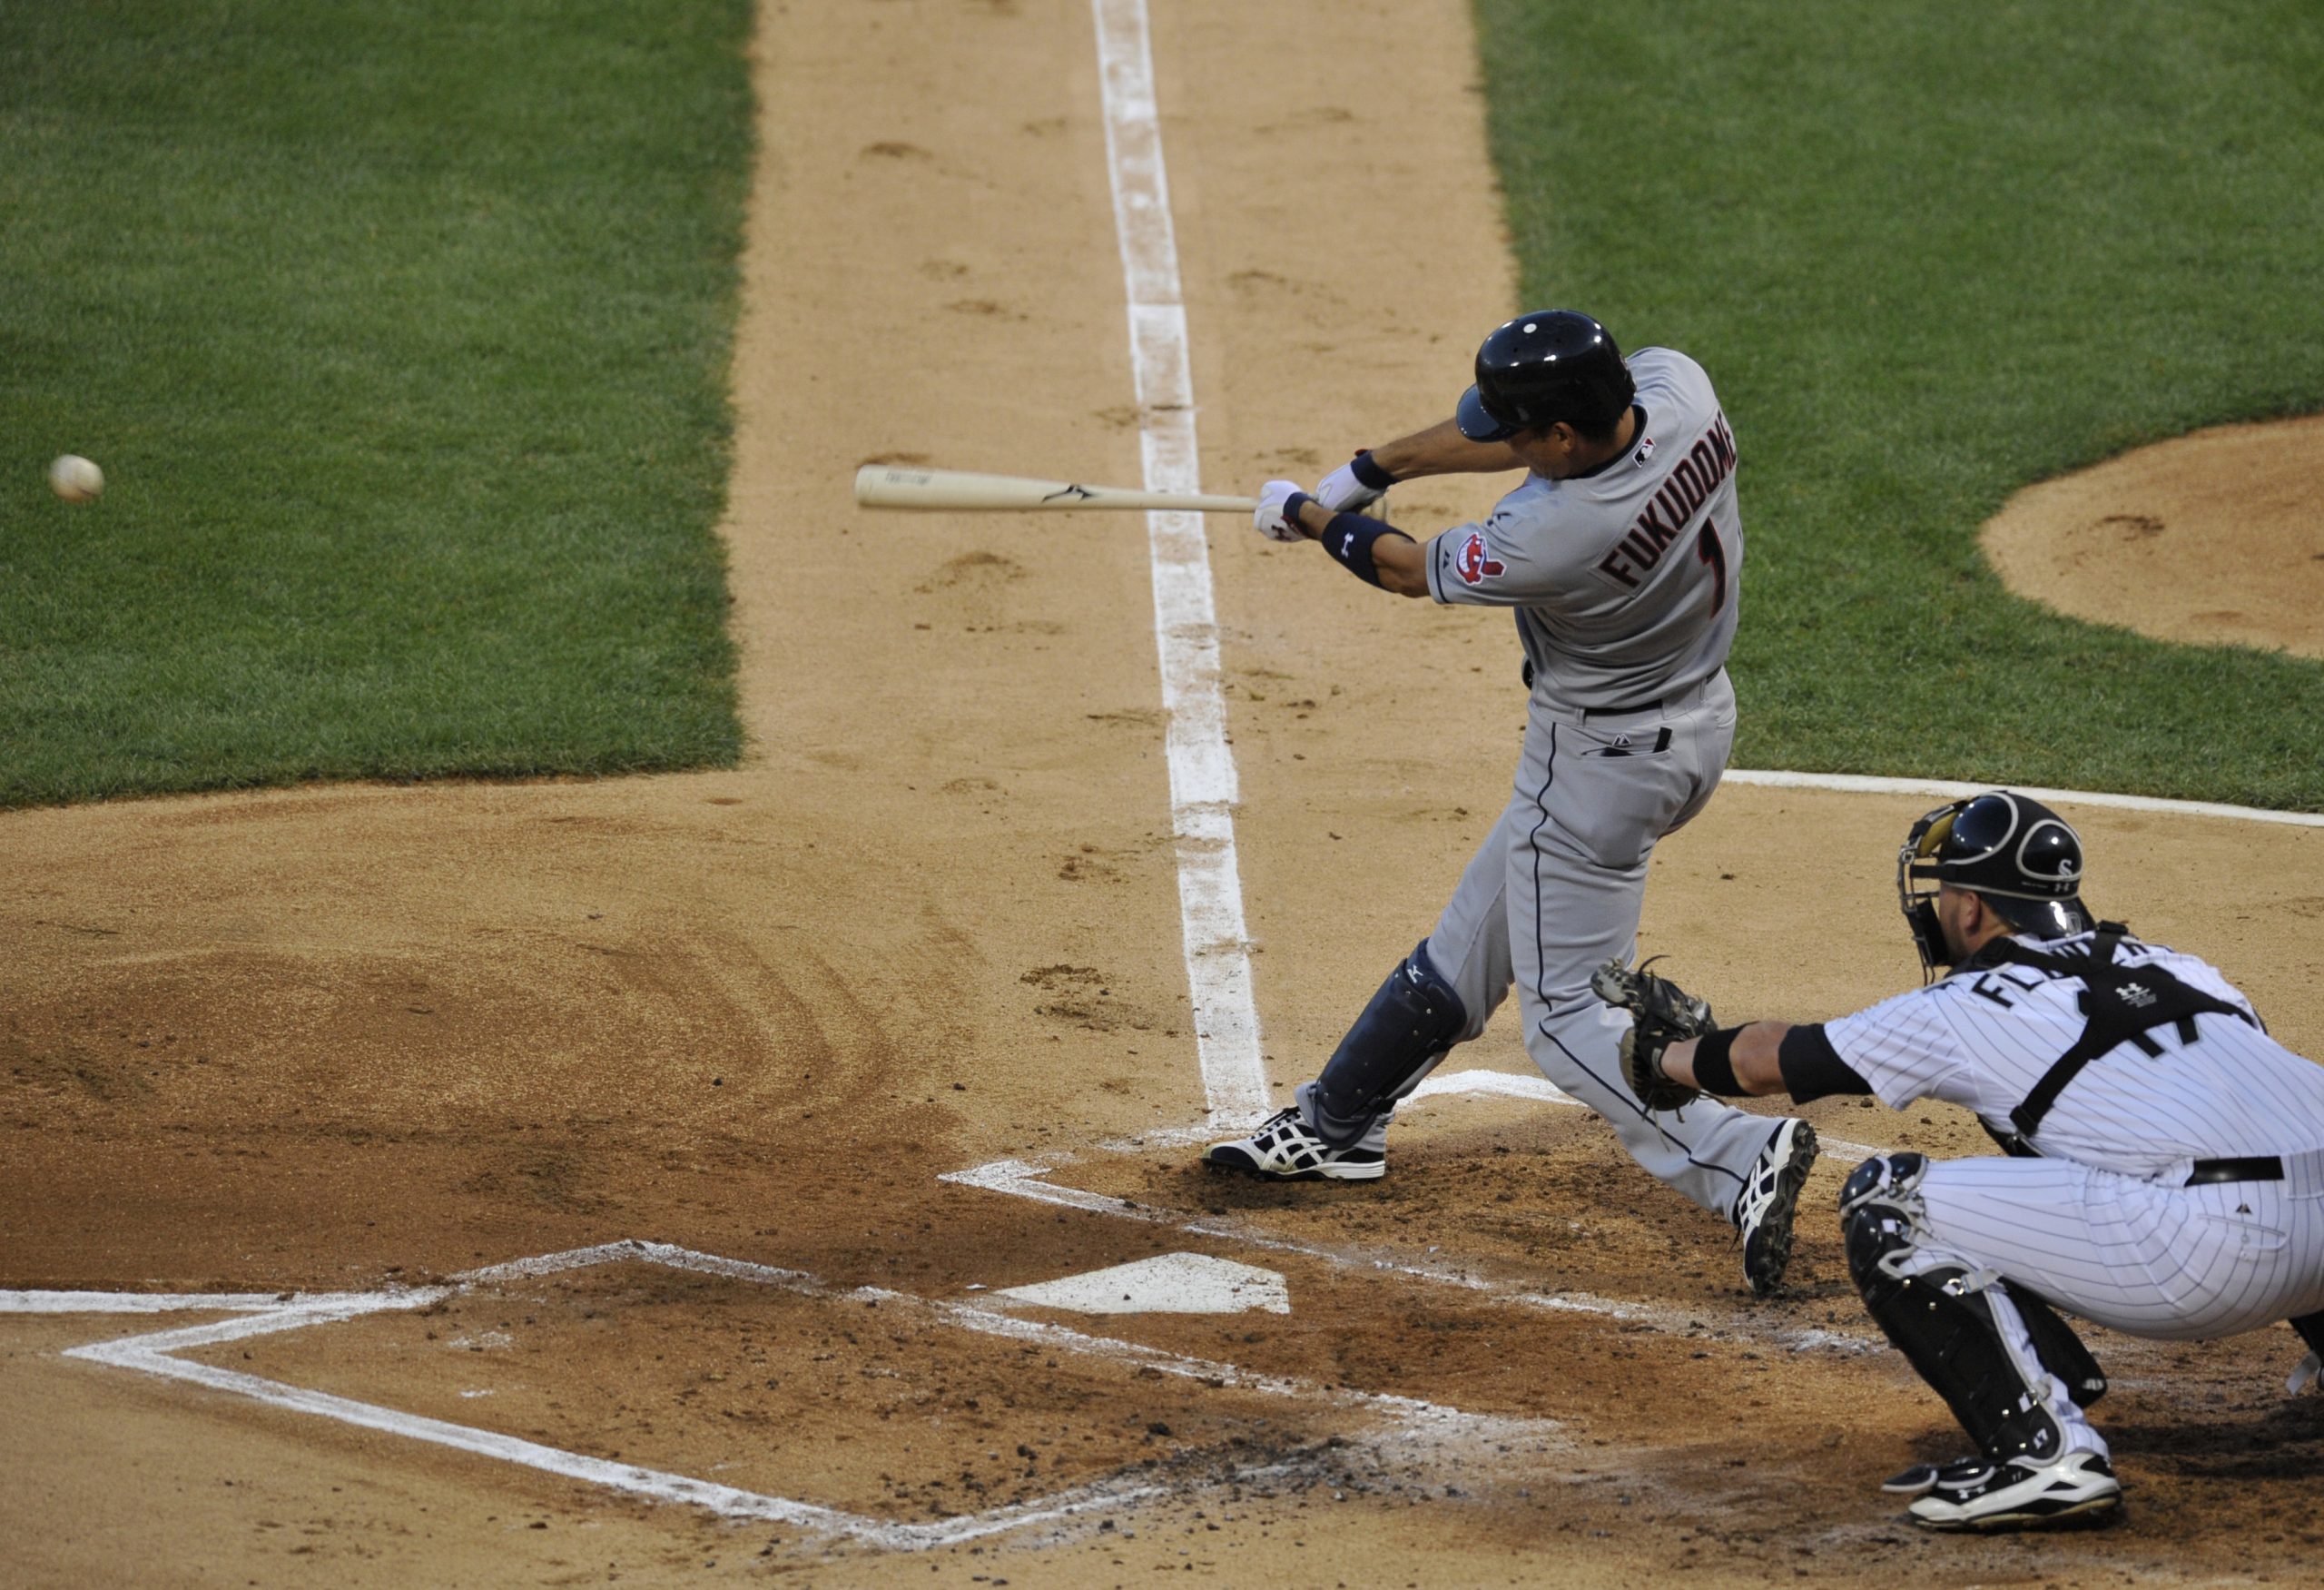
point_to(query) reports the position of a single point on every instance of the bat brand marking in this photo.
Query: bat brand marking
(1067, 491)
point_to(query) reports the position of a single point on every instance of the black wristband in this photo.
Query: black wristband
(1715, 1063)
(1349, 537)
(1291, 507)
(1368, 472)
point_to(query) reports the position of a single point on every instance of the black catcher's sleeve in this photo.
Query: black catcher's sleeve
(1812, 1069)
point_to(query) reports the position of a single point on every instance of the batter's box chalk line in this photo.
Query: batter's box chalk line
(1399, 1421)
(1027, 1179)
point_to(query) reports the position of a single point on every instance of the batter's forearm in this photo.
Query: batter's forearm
(1400, 562)
(1442, 449)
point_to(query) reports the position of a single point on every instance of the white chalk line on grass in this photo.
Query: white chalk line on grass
(1949, 790)
(1403, 1418)
(1202, 784)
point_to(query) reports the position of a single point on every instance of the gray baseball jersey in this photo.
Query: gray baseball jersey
(1624, 580)
(1624, 583)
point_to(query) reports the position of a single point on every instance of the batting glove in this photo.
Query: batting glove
(1269, 518)
(1355, 485)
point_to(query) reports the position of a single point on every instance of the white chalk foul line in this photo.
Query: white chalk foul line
(19, 1302)
(1203, 785)
(1949, 790)
(155, 1353)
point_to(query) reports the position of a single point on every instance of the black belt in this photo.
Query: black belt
(1653, 705)
(2255, 1168)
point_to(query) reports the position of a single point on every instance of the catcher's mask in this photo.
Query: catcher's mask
(2012, 852)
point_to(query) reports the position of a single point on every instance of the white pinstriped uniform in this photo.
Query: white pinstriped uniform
(2103, 1223)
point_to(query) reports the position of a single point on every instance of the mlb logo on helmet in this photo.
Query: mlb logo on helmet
(1472, 563)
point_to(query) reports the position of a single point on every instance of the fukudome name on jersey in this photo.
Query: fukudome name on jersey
(1625, 578)
(1677, 501)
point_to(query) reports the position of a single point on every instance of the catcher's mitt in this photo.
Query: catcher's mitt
(1661, 1013)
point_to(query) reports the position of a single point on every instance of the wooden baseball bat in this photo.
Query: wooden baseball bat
(889, 486)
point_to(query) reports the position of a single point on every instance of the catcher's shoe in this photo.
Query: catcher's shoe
(1975, 1494)
(1769, 1199)
(1285, 1148)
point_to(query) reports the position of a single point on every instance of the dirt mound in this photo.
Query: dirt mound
(2215, 538)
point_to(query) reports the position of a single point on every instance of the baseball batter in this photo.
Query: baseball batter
(1622, 554)
(2167, 1177)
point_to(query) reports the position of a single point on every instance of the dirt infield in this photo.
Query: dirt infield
(2211, 539)
(358, 1039)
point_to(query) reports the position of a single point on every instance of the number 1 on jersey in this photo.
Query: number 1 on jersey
(1709, 550)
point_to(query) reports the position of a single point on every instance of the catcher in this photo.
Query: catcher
(2166, 1169)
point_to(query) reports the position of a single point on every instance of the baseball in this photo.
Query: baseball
(75, 478)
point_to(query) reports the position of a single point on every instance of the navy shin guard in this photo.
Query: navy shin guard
(1411, 1021)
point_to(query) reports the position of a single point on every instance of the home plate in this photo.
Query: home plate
(1173, 1283)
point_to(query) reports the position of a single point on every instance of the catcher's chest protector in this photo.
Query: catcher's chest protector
(2123, 1004)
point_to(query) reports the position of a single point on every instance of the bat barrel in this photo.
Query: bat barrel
(893, 486)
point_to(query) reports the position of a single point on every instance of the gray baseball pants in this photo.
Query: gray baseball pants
(1554, 893)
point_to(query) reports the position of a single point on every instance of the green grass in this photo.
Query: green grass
(1931, 253)
(401, 330)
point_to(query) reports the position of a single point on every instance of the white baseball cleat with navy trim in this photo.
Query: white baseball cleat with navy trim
(1286, 1148)
(1769, 1199)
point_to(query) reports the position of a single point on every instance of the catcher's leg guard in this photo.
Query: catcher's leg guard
(2311, 1368)
(1957, 1328)
(1408, 1026)
(2312, 1332)
(2061, 1352)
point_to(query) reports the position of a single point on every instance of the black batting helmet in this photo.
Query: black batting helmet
(2016, 855)
(1539, 368)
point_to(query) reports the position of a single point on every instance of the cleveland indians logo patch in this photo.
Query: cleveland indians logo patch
(1472, 563)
